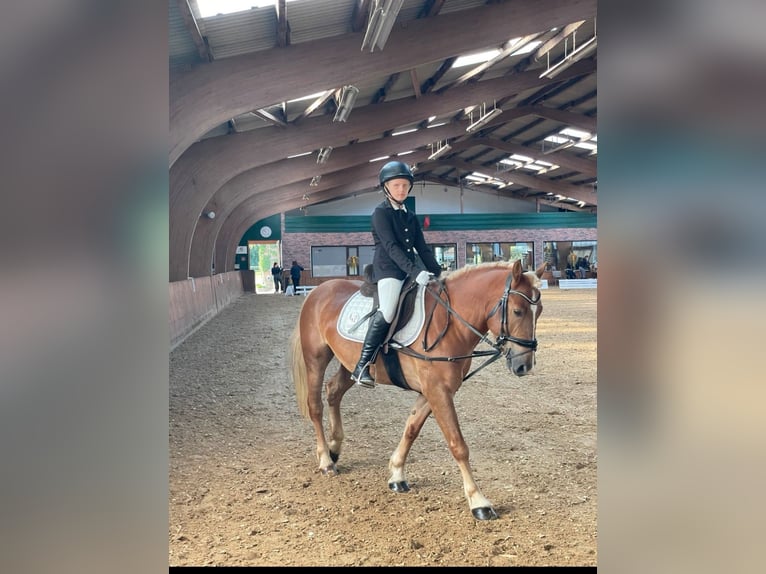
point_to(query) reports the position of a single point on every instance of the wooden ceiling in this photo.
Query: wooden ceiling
(234, 122)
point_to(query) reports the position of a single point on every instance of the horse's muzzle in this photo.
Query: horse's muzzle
(522, 364)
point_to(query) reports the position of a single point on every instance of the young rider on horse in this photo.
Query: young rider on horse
(398, 236)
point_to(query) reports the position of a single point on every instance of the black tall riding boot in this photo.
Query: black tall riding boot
(376, 332)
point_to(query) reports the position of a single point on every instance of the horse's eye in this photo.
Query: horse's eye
(518, 312)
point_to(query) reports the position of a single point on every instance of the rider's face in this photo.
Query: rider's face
(398, 188)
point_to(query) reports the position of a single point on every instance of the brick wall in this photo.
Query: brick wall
(298, 245)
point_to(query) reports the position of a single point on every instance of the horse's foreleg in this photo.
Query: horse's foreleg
(418, 415)
(444, 412)
(336, 388)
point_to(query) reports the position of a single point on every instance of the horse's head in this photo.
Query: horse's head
(513, 320)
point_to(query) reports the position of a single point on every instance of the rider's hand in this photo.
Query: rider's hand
(423, 278)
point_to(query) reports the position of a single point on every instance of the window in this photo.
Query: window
(342, 261)
(557, 253)
(482, 252)
(445, 255)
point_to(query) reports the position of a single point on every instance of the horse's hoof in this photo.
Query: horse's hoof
(334, 456)
(401, 486)
(484, 513)
(331, 470)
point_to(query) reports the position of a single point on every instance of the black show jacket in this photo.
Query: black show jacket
(397, 236)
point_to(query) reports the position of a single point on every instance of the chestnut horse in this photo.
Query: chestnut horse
(465, 307)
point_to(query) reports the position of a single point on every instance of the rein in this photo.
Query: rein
(497, 346)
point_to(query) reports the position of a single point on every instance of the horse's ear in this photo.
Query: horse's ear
(540, 270)
(516, 270)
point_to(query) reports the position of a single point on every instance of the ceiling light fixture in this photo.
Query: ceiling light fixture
(315, 180)
(440, 151)
(324, 154)
(574, 56)
(346, 101)
(209, 214)
(485, 118)
(382, 17)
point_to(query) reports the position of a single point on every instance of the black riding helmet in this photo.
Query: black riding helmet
(394, 170)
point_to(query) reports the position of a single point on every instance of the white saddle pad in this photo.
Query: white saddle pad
(358, 306)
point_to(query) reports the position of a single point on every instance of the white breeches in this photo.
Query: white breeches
(388, 296)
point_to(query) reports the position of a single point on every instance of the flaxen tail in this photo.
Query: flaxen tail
(298, 368)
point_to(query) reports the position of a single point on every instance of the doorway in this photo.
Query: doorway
(261, 256)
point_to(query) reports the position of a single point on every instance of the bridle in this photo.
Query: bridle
(498, 346)
(502, 305)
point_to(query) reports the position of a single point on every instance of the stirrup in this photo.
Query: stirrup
(367, 384)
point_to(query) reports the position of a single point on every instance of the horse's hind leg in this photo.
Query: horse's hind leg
(418, 415)
(336, 388)
(316, 364)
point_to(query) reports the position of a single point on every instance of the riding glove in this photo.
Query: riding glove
(423, 278)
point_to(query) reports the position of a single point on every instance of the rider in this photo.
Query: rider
(398, 237)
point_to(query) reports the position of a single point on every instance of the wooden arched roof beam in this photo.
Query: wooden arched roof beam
(209, 164)
(211, 171)
(283, 25)
(191, 25)
(344, 163)
(207, 96)
(258, 207)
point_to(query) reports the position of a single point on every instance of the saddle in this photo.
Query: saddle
(405, 307)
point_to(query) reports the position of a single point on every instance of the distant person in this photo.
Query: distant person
(276, 274)
(295, 273)
(583, 266)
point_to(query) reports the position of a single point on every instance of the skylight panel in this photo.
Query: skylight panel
(579, 134)
(471, 59)
(523, 158)
(557, 139)
(406, 131)
(309, 97)
(209, 8)
(527, 48)
(586, 145)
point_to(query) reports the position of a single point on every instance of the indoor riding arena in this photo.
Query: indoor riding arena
(244, 483)
(285, 119)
